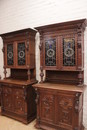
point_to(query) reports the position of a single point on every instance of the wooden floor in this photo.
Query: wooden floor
(11, 124)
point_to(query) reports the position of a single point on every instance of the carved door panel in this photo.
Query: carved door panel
(69, 52)
(9, 56)
(7, 98)
(47, 108)
(22, 55)
(65, 111)
(19, 103)
(50, 50)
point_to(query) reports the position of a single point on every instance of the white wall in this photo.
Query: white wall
(19, 14)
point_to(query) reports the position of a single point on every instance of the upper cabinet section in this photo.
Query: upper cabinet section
(19, 49)
(62, 46)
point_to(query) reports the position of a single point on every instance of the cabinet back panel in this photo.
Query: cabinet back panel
(70, 77)
(19, 74)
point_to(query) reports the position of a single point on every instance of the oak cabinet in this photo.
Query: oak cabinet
(19, 49)
(59, 107)
(60, 91)
(18, 101)
(18, 96)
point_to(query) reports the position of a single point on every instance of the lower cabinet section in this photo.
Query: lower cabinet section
(59, 109)
(18, 102)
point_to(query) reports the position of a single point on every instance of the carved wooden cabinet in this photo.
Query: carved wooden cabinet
(59, 106)
(60, 93)
(18, 96)
(18, 100)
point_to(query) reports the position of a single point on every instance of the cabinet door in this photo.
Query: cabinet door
(68, 57)
(50, 49)
(47, 106)
(19, 103)
(7, 98)
(22, 55)
(9, 57)
(65, 111)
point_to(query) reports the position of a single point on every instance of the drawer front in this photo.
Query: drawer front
(47, 107)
